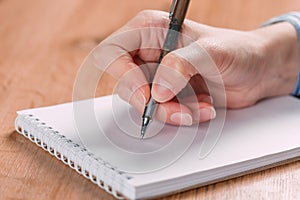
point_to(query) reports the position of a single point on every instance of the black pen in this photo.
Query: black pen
(177, 14)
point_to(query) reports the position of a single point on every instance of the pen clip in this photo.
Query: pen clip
(172, 9)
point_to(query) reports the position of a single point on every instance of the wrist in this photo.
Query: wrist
(280, 59)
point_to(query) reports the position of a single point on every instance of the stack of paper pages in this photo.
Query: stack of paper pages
(100, 139)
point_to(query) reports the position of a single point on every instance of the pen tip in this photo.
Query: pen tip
(143, 130)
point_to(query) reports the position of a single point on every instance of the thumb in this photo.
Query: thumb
(172, 75)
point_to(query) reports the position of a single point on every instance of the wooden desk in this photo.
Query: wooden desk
(42, 44)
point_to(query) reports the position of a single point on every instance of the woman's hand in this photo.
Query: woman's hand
(252, 65)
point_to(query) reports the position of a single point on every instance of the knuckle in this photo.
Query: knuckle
(179, 65)
(149, 13)
(146, 18)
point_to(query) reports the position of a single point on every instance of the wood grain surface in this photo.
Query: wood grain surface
(42, 44)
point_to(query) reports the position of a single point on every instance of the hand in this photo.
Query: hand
(252, 65)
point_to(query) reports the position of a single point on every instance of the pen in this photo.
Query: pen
(177, 14)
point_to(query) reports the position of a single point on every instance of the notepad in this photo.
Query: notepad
(99, 138)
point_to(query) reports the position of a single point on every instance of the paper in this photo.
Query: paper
(169, 159)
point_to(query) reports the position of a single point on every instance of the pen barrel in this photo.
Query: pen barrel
(180, 10)
(177, 17)
(169, 45)
(171, 40)
(150, 109)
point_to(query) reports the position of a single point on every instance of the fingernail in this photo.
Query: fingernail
(207, 113)
(182, 119)
(163, 90)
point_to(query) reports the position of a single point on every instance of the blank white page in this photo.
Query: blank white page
(109, 128)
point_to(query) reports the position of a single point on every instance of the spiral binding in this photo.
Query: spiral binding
(75, 156)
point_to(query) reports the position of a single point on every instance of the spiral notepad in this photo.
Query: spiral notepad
(102, 145)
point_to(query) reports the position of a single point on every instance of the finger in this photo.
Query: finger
(176, 113)
(202, 111)
(172, 76)
(133, 86)
(201, 106)
(143, 35)
(136, 97)
(118, 53)
(179, 66)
